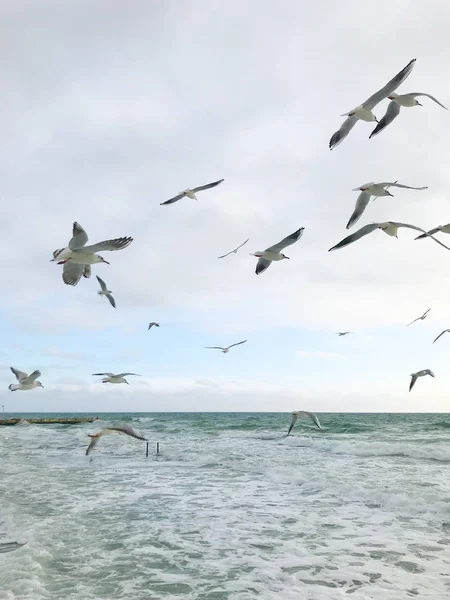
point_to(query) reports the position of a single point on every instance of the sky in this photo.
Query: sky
(108, 109)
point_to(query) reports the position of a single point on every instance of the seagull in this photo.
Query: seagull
(123, 429)
(389, 227)
(112, 378)
(373, 189)
(341, 333)
(422, 373)
(303, 413)
(26, 382)
(78, 257)
(150, 325)
(190, 193)
(273, 252)
(442, 333)
(364, 111)
(424, 316)
(235, 250)
(105, 292)
(438, 229)
(10, 546)
(393, 109)
(225, 350)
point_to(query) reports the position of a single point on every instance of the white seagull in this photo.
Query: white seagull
(235, 250)
(422, 373)
(341, 333)
(424, 316)
(112, 378)
(190, 193)
(303, 413)
(389, 227)
(373, 189)
(77, 257)
(438, 229)
(274, 252)
(26, 382)
(226, 349)
(364, 111)
(10, 546)
(393, 109)
(105, 292)
(95, 437)
(153, 324)
(442, 333)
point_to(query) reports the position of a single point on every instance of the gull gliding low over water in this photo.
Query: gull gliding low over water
(424, 316)
(112, 378)
(442, 333)
(373, 189)
(235, 250)
(364, 111)
(26, 382)
(389, 227)
(393, 109)
(105, 292)
(191, 193)
(77, 257)
(414, 376)
(227, 348)
(273, 253)
(95, 437)
(303, 413)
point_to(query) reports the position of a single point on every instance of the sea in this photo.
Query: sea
(230, 509)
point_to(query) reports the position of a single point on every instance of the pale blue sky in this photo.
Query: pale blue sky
(109, 109)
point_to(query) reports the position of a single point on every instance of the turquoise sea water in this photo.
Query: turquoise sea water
(230, 509)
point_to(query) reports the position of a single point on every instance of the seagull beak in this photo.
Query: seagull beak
(105, 261)
(287, 257)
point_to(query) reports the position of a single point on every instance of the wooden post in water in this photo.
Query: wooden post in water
(157, 448)
(146, 451)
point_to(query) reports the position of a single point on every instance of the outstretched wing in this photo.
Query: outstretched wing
(287, 241)
(123, 375)
(20, 375)
(174, 199)
(207, 186)
(415, 228)
(214, 348)
(102, 284)
(93, 443)
(342, 132)
(356, 236)
(111, 300)
(107, 374)
(128, 431)
(414, 94)
(313, 418)
(235, 250)
(237, 344)
(79, 237)
(442, 333)
(72, 272)
(413, 381)
(391, 86)
(117, 244)
(360, 206)
(32, 377)
(262, 265)
(291, 426)
(393, 110)
(400, 185)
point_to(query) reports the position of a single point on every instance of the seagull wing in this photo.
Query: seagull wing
(32, 377)
(442, 333)
(418, 319)
(428, 233)
(225, 255)
(20, 375)
(102, 284)
(237, 344)
(262, 265)
(214, 348)
(400, 185)
(123, 375)
(107, 374)
(313, 418)
(72, 273)
(420, 229)
(393, 110)
(360, 206)
(200, 188)
(287, 241)
(342, 132)
(291, 426)
(356, 236)
(414, 94)
(111, 300)
(117, 244)
(10, 547)
(174, 199)
(235, 250)
(94, 441)
(413, 381)
(430, 372)
(128, 431)
(79, 237)
(425, 313)
(391, 85)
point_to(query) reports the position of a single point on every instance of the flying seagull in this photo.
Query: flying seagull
(442, 333)
(235, 250)
(95, 437)
(393, 109)
(273, 252)
(112, 378)
(373, 189)
(422, 373)
(190, 193)
(26, 382)
(77, 257)
(226, 349)
(341, 333)
(10, 546)
(150, 325)
(364, 111)
(389, 227)
(424, 316)
(303, 413)
(105, 292)
(438, 229)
